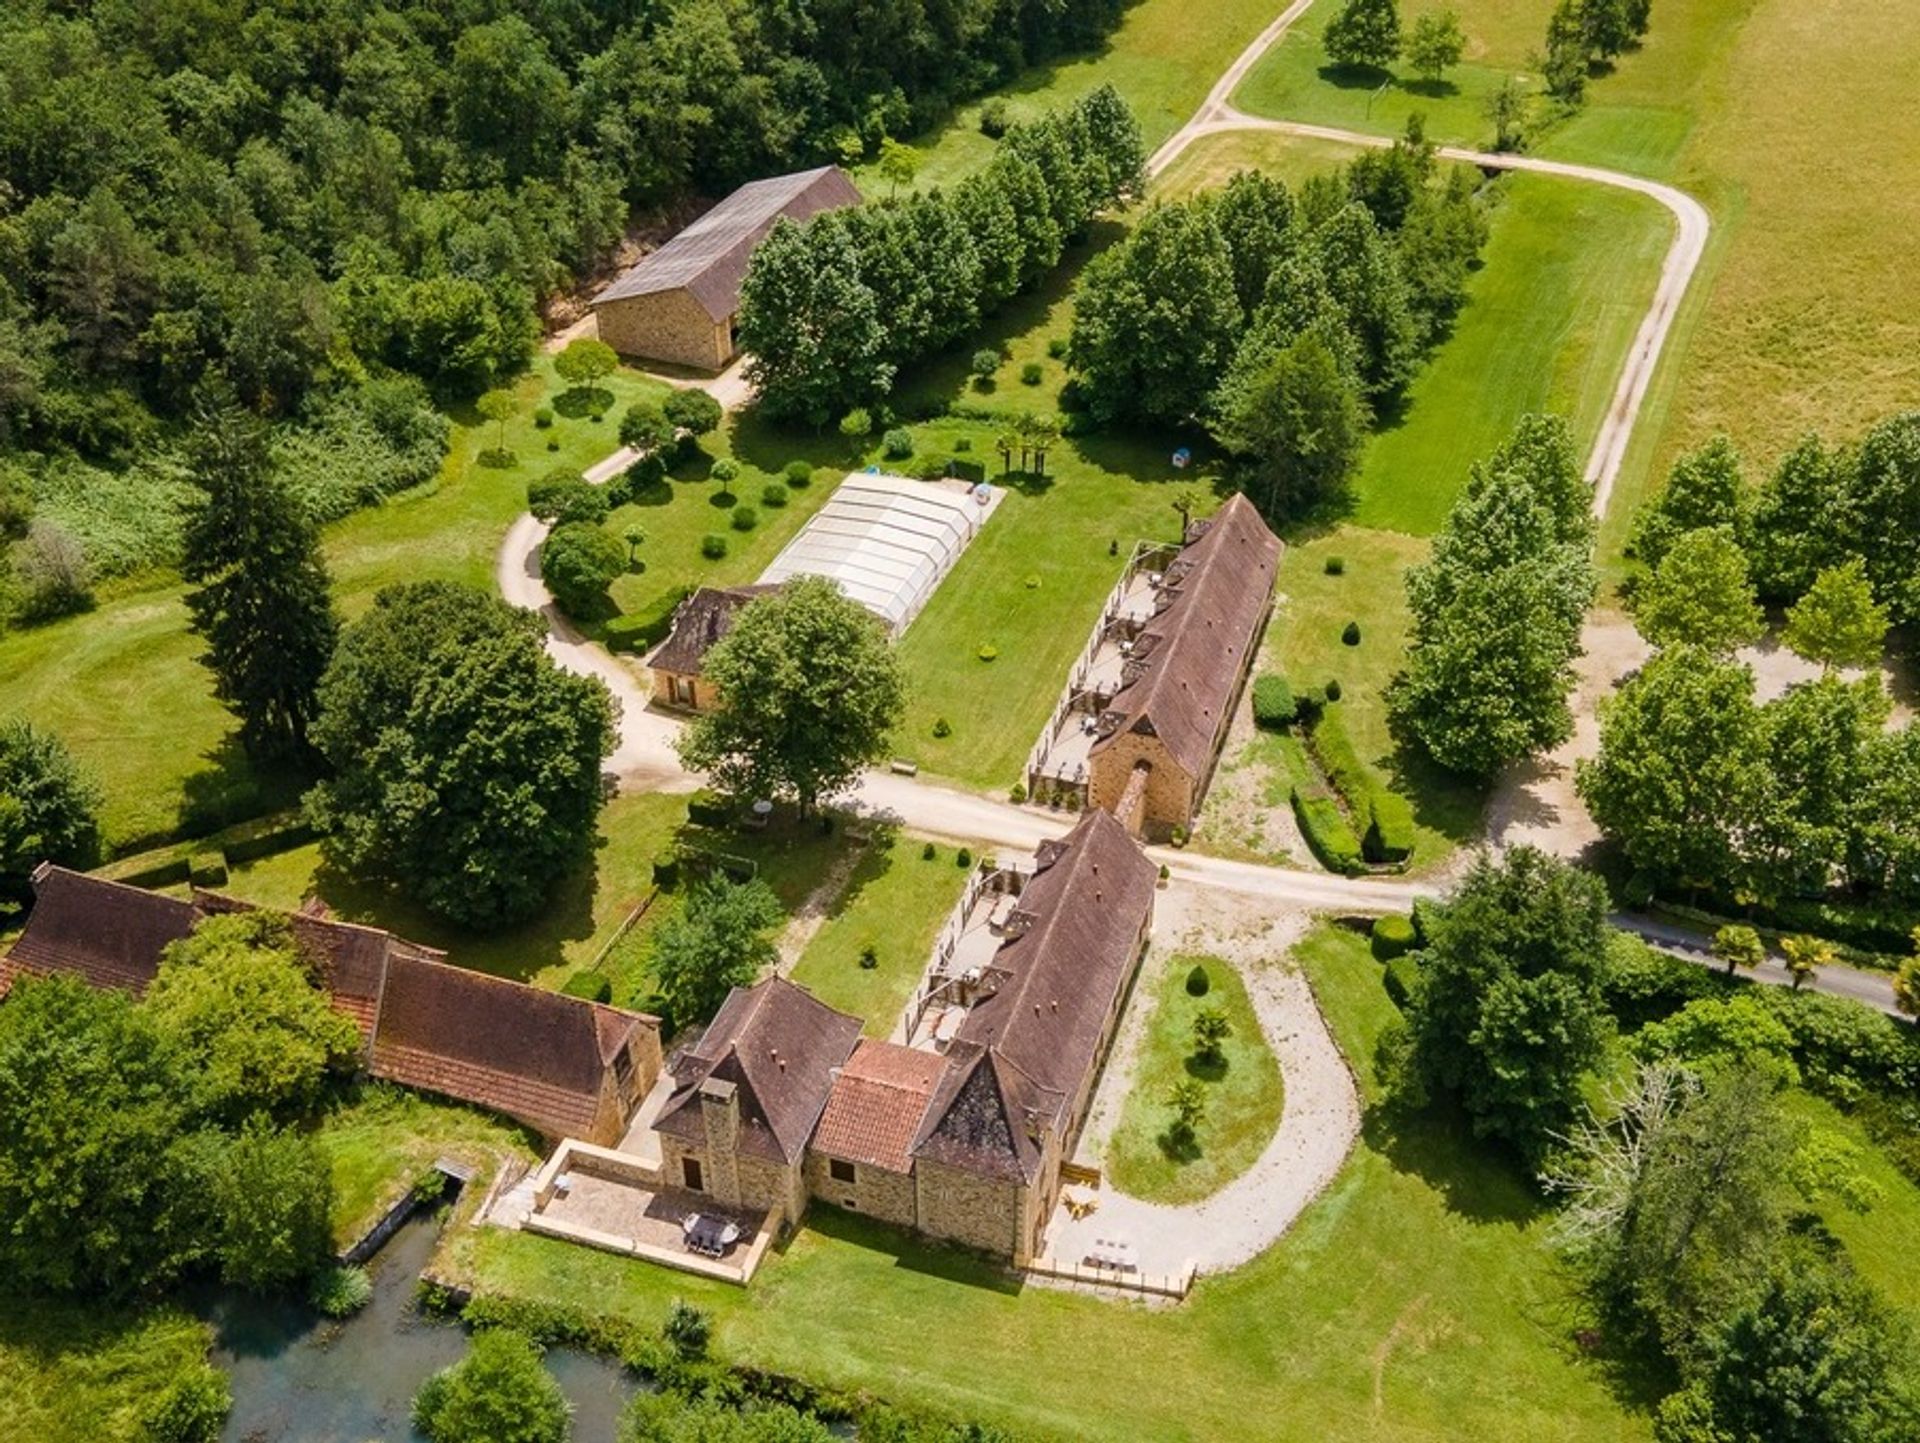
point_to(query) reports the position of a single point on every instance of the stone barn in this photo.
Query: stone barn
(1160, 735)
(677, 304)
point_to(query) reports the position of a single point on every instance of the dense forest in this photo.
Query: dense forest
(347, 212)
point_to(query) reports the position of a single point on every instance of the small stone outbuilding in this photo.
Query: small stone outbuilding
(677, 304)
(699, 621)
(1161, 734)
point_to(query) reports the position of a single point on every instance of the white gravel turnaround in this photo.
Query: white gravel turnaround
(1318, 1125)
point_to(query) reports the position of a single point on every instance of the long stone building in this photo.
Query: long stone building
(562, 1066)
(782, 1100)
(1159, 737)
(678, 303)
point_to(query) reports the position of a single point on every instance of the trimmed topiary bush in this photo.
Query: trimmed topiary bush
(1389, 835)
(963, 858)
(773, 495)
(994, 119)
(897, 444)
(985, 363)
(1057, 347)
(1017, 793)
(1274, 708)
(1336, 566)
(799, 473)
(1328, 834)
(542, 417)
(745, 518)
(988, 652)
(713, 546)
(929, 852)
(1198, 983)
(1333, 689)
(869, 957)
(942, 727)
(1350, 634)
(1032, 373)
(724, 470)
(1392, 936)
(588, 984)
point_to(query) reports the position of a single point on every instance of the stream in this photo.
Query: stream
(301, 1378)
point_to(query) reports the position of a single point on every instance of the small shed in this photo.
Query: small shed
(677, 304)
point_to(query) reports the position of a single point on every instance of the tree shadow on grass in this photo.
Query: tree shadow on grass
(583, 401)
(232, 787)
(1355, 77)
(1182, 1149)
(950, 1264)
(1476, 1179)
(1441, 89)
(1206, 1069)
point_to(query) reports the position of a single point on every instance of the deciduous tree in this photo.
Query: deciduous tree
(1838, 623)
(1700, 595)
(1434, 44)
(579, 562)
(811, 326)
(809, 692)
(498, 1393)
(48, 809)
(1298, 426)
(1364, 35)
(584, 361)
(721, 939)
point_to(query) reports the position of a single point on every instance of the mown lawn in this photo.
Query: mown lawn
(895, 902)
(1163, 59)
(385, 1138)
(1243, 1091)
(1294, 81)
(87, 1373)
(1414, 1301)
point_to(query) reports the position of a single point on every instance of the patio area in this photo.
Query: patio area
(957, 974)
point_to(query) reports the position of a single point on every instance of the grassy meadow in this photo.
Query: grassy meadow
(1243, 1090)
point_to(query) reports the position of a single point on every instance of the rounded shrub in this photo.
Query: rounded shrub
(994, 119)
(1400, 976)
(553, 443)
(799, 473)
(1392, 936)
(561, 496)
(745, 518)
(1350, 633)
(929, 852)
(579, 561)
(688, 1328)
(942, 727)
(897, 444)
(773, 495)
(713, 546)
(1031, 374)
(869, 957)
(693, 411)
(1336, 566)
(1198, 983)
(1033, 582)
(963, 443)
(963, 858)
(1017, 793)
(500, 1389)
(1057, 347)
(1274, 708)
(1165, 873)
(988, 652)
(985, 363)
(724, 470)
(1333, 689)
(543, 417)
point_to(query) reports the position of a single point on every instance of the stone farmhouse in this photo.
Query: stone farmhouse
(1148, 707)
(562, 1066)
(961, 1137)
(677, 304)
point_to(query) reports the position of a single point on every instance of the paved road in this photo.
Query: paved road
(1875, 989)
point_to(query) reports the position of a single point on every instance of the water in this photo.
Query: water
(298, 1378)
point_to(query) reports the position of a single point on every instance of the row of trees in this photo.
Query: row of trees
(1584, 33)
(270, 194)
(832, 310)
(1497, 608)
(143, 1140)
(1367, 35)
(1280, 321)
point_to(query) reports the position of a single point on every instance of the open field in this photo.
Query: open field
(1163, 60)
(895, 902)
(1243, 1091)
(1413, 1301)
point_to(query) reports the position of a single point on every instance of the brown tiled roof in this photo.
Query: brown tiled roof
(873, 1113)
(709, 258)
(987, 1116)
(699, 621)
(532, 1054)
(1194, 650)
(778, 1045)
(107, 933)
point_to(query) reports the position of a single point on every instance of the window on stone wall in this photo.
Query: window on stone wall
(690, 1173)
(841, 1171)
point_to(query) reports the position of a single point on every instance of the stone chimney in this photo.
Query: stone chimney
(720, 1118)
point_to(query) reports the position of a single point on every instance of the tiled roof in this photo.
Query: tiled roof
(532, 1054)
(873, 1113)
(987, 1116)
(1194, 650)
(779, 1046)
(699, 621)
(1087, 907)
(709, 258)
(107, 933)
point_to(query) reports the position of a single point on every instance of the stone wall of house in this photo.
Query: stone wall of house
(1170, 794)
(704, 692)
(734, 1181)
(963, 1207)
(665, 326)
(888, 1196)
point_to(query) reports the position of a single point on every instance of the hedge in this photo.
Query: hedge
(1273, 705)
(1392, 936)
(208, 868)
(1399, 978)
(1329, 836)
(1424, 910)
(1385, 818)
(591, 985)
(644, 630)
(1389, 835)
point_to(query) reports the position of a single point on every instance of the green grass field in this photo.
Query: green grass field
(79, 1373)
(895, 902)
(1163, 60)
(1244, 1093)
(1414, 1301)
